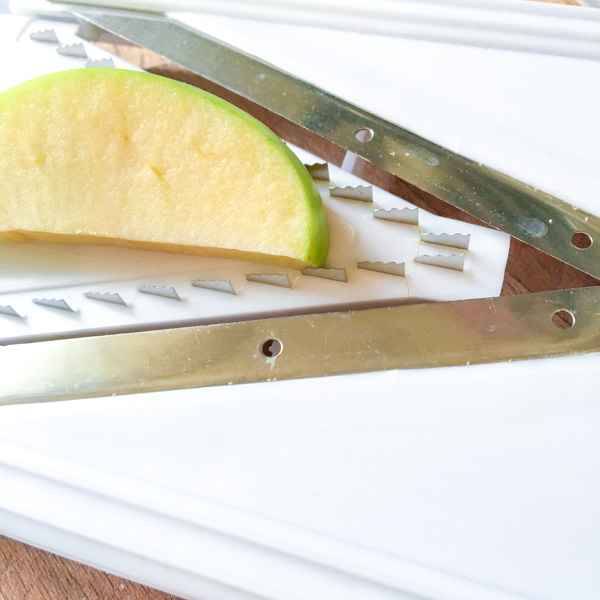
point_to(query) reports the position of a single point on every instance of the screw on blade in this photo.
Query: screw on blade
(74, 50)
(409, 216)
(391, 268)
(327, 273)
(110, 297)
(214, 284)
(364, 193)
(452, 261)
(6, 309)
(160, 290)
(454, 240)
(47, 36)
(277, 279)
(102, 63)
(319, 171)
(59, 303)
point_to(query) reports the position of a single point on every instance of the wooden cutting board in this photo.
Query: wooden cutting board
(27, 573)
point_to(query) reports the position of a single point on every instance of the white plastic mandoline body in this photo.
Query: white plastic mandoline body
(470, 483)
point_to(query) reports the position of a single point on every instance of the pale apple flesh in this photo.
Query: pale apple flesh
(115, 156)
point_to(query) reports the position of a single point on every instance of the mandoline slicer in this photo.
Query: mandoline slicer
(470, 482)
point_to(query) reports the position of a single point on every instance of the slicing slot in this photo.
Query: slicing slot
(410, 216)
(214, 284)
(454, 240)
(452, 261)
(327, 273)
(277, 279)
(364, 193)
(391, 268)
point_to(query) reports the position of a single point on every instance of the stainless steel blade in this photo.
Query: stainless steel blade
(537, 218)
(412, 336)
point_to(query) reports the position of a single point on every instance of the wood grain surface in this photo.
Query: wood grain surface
(27, 573)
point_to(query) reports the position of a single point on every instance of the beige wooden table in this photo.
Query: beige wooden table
(27, 573)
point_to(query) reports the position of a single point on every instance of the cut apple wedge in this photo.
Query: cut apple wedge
(116, 156)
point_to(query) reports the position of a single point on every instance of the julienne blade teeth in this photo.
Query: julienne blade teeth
(454, 240)
(48, 36)
(327, 273)
(59, 303)
(110, 297)
(364, 193)
(391, 268)
(101, 63)
(410, 216)
(319, 171)
(160, 291)
(277, 279)
(75, 50)
(6, 309)
(452, 261)
(216, 285)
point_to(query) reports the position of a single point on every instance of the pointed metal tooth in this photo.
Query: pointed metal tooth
(59, 303)
(218, 285)
(319, 171)
(407, 215)
(162, 291)
(47, 36)
(451, 261)
(111, 297)
(75, 50)
(278, 279)
(391, 268)
(364, 193)
(327, 273)
(6, 309)
(454, 240)
(101, 63)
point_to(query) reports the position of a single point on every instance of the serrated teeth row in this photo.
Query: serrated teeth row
(74, 50)
(453, 261)
(408, 215)
(170, 293)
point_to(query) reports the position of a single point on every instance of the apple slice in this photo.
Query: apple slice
(116, 156)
